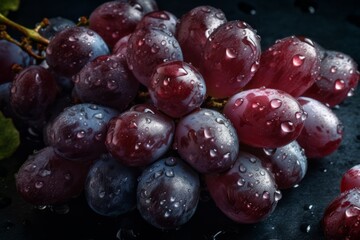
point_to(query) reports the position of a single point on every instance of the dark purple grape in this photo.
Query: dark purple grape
(207, 141)
(194, 29)
(45, 178)
(56, 24)
(168, 193)
(33, 91)
(160, 19)
(11, 54)
(288, 163)
(107, 81)
(247, 192)
(120, 47)
(110, 187)
(79, 132)
(70, 49)
(139, 136)
(323, 131)
(115, 19)
(148, 47)
(231, 58)
(177, 88)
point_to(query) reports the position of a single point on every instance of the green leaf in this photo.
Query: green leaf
(8, 5)
(9, 137)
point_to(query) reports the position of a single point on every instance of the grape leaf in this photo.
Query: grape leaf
(8, 5)
(9, 137)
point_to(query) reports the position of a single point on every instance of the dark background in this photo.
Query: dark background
(333, 24)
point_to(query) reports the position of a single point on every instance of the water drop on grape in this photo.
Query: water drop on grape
(298, 60)
(339, 84)
(275, 103)
(287, 126)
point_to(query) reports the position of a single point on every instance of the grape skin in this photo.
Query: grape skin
(79, 132)
(264, 117)
(56, 24)
(107, 81)
(70, 49)
(247, 192)
(207, 141)
(168, 193)
(110, 187)
(45, 178)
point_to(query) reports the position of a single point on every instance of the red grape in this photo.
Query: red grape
(115, 19)
(107, 81)
(140, 135)
(322, 133)
(46, 178)
(338, 79)
(33, 91)
(341, 217)
(161, 19)
(148, 47)
(247, 192)
(350, 179)
(263, 117)
(177, 88)
(292, 64)
(194, 29)
(207, 141)
(230, 58)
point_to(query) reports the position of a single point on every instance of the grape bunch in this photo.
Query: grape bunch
(139, 110)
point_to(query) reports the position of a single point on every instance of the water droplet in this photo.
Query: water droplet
(67, 176)
(171, 161)
(333, 69)
(167, 214)
(44, 172)
(278, 195)
(298, 60)
(101, 194)
(230, 53)
(242, 169)
(351, 92)
(207, 133)
(254, 67)
(238, 102)
(240, 182)
(39, 184)
(275, 103)
(169, 173)
(269, 151)
(72, 39)
(305, 228)
(287, 126)
(339, 84)
(80, 134)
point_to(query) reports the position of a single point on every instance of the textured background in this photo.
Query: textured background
(333, 24)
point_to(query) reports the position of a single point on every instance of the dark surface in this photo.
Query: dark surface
(334, 25)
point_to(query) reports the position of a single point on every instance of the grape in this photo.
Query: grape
(168, 193)
(292, 64)
(79, 132)
(160, 19)
(247, 192)
(207, 141)
(147, 5)
(338, 79)
(177, 88)
(140, 135)
(110, 187)
(264, 117)
(115, 19)
(323, 131)
(106, 80)
(120, 47)
(33, 91)
(148, 47)
(56, 24)
(11, 54)
(350, 179)
(194, 29)
(45, 178)
(341, 217)
(288, 163)
(231, 57)
(70, 49)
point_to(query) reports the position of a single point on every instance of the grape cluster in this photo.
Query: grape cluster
(146, 113)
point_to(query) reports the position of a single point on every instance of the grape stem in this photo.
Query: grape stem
(32, 34)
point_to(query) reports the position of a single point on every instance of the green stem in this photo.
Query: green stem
(32, 34)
